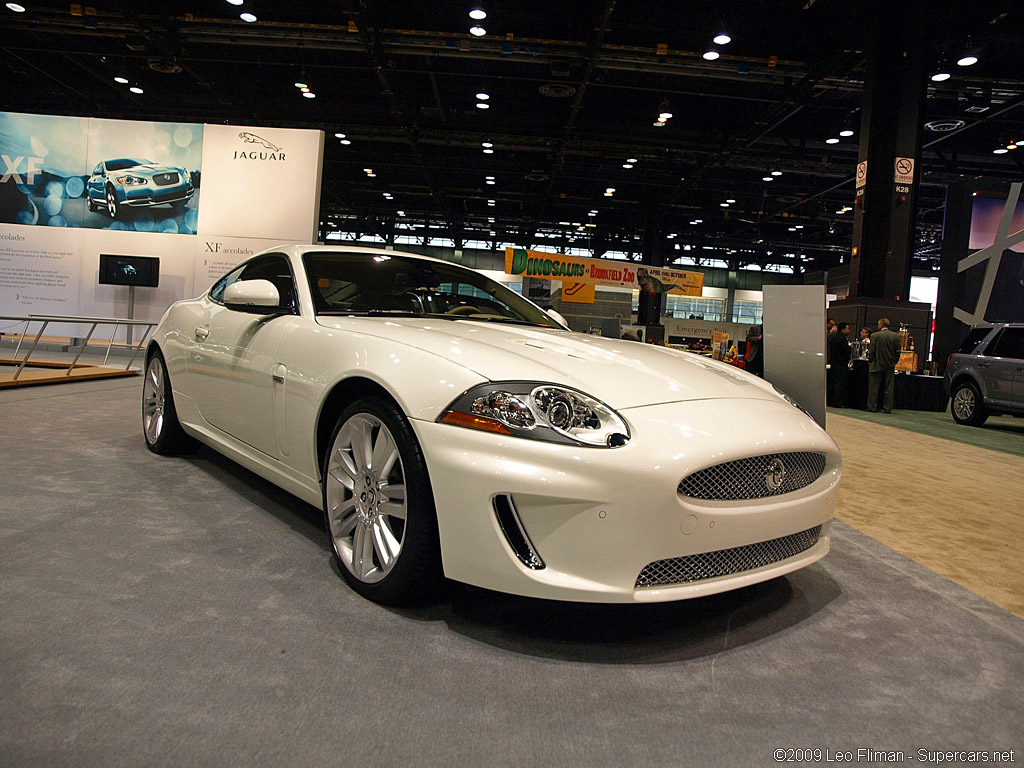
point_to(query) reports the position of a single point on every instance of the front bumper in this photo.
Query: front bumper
(597, 517)
(143, 198)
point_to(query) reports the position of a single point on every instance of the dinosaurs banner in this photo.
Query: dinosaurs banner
(574, 271)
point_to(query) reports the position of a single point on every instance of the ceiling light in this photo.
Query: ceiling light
(345, 141)
(631, 160)
(304, 89)
(247, 17)
(627, 165)
(722, 39)
(483, 105)
(302, 85)
(724, 205)
(16, 8)
(486, 144)
(1011, 146)
(372, 175)
(135, 89)
(339, 135)
(235, 2)
(967, 61)
(479, 14)
(767, 178)
(491, 182)
(1000, 151)
(483, 96)
(729, 200)
(121, 80)
(660, 124)
(711, 55)
(591, 214)
(607, 194)
(477, 31)
(488, 177)
(488, 151)
(1019, 143)
(939, 77)
(832, 140)
(846, 132)
(309, 94)
(776, 172)
(609, 189)
(367, 170)
(401, 213)
(798, 226)
(698, 221)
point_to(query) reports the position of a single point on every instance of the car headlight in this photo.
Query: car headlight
(538, 411)
(129, 181)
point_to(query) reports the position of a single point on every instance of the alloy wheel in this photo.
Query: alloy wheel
(366, 497)
(964, 403)
(153, 400)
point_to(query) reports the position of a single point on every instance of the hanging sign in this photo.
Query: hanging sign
(862, 173)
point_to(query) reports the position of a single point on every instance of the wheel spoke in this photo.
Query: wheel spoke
(359, 440)
(394, 505)
(343, 473)
(385, 454)
(343, 518)
(385, 543)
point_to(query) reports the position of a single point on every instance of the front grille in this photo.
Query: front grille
(163, 179)
(724, 562)
(755, 477)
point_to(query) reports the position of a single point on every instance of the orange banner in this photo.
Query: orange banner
(572, 269)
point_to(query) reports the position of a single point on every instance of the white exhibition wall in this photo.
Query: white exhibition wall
(254, 188)
(794, 344)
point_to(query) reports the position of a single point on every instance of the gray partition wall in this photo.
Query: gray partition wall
(794, 344)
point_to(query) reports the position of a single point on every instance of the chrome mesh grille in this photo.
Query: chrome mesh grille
(755, 477)
(708, 565)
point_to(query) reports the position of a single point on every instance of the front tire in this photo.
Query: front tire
(967, 406)
(160, 424)
(113, 207)
(378, 506)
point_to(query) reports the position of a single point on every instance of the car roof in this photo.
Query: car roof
(300, 250)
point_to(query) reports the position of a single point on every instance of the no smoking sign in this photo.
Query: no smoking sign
(904, 170)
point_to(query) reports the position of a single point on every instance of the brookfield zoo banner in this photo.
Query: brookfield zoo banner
(579, 276)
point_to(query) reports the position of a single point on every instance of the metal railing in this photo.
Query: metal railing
(95, 322)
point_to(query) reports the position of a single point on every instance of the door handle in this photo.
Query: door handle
(279, 373)
(202, 333)
(982, 365)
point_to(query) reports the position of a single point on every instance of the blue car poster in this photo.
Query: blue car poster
(100, 174)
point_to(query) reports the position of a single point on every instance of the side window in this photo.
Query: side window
(217, 292)
(97, 170)
(273, 267)
(974, 337)
(1010, 344)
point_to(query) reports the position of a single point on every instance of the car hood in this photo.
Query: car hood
(150, 168)
(622, 374)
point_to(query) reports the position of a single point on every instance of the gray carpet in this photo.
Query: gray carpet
(183, 612)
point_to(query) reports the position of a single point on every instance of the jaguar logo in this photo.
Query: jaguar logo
(775, 475)
(252, 138)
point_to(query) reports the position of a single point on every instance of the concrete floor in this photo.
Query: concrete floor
(171, 612)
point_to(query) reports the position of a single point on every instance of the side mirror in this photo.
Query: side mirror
(557, 317)
(258, 296)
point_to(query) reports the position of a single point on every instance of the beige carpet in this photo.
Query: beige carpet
(954, 508)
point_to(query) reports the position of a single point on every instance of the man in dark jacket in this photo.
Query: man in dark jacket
(883, 354)
(838, 363)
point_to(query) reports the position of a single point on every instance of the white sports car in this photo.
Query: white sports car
(451, 428)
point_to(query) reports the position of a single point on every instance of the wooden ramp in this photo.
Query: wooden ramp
(40, 372)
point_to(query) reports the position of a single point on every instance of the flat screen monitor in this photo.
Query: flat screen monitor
(129, 270)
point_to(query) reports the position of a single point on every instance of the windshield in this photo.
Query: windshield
(125, 162)
(367, 283)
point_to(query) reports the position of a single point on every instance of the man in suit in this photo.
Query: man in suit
(838, 364)
(883, 354)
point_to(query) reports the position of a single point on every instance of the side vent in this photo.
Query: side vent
(515, 534)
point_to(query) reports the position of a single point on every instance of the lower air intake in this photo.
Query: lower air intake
(725, 562)
(515, 534)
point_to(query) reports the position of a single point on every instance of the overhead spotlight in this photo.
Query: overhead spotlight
(729, 200)
(698, 221)
(345, 141)
(308, 94)
(478, 14)
(16, 8)
(609, 189)
(135, 89)
(1000, 151)
(776, 172)
(846, 132)
(832, 140)
(401, 213)
(722, 39)
(627, 165)
(942, 76)
(302, 85)
(631, 160)
(486, 144)
(492, 181)
(767, 178)
(482, 105)
(235, 2)
(1019, 143)
(660, 123)
(1011, 145)
(483, 96)
(304, 89)
(247, 17)
(711, 55)
(339, 135)
(967, 61)
(477, 31)
(488, 151)
(489, 178)
(121, 80)
(724, 205)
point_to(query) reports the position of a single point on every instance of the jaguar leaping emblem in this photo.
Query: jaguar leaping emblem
(252, 138)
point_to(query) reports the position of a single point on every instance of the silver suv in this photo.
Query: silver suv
(986, 373)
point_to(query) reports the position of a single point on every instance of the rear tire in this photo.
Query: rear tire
(379, 507)
(160, 424)
(967, 406)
